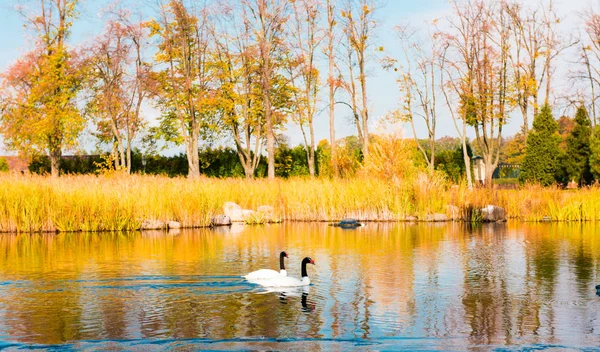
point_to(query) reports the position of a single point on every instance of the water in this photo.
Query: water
(382, 287)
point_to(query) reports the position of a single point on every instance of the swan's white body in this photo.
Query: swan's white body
(265, 274)
(285, 282)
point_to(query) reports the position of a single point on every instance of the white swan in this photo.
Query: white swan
(264, 274)
(289, 281)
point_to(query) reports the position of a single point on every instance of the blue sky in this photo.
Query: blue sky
(383, 91)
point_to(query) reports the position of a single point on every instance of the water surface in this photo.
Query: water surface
(384, 286)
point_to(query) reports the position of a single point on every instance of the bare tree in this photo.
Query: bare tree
(419, 73)
(331, 82)
(479, 39)
(306, 36)
(536, 43)
(358, 26)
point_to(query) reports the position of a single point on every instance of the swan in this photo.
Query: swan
(263, 274)
(290, 281)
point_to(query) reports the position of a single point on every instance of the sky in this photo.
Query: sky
(382, 88)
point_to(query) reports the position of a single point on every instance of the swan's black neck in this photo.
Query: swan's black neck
(304, 262)
(281, 257)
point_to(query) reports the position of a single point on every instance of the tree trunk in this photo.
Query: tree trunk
(55, 155)
(192, 153)
(311, 152)
(331, 22)
(128, 156)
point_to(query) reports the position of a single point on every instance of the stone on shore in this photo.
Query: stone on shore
(436, 217)
(234, 211)
(152, 225)
(493, 213)
(220, 220)
(174, 225)
(246, 213)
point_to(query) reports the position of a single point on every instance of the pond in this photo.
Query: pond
(380, 287)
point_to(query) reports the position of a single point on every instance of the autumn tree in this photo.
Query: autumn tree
(358, 26)
(536, 43)
(479, 42)
(240, 99)
(186, 87)
(39, 111)
(117, 84)
(267, 19)
(542, 152)
(304, 76)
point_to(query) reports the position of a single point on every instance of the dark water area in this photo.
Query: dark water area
(505, 287)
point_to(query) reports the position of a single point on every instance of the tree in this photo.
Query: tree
(577, 158)
(304, 74)
(240, 99)
(418, 82)
(541, 154)
(358, 26)
(331, 81)
(595, 153)
(185, 86)
(39, 112)
(513, 148)
(536, 43)
(267, 19)
(117, 85)
(479, 42)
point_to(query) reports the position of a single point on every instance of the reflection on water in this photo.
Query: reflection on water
(383, 286)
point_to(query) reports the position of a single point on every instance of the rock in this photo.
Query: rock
(411, 218)
(436, 217)
(246, 213)
(220, 220)
(174, 225)
(152, 225)
(234, 212)
(453, 211)
(348, 224)
(545, 219)
(493, 213)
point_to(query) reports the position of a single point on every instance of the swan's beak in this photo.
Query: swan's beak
(312, 262)
(286, 255)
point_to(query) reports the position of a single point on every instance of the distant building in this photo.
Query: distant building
(17, 164)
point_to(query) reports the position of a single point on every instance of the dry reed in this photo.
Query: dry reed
(33, 203)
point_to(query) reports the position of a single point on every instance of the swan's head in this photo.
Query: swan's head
(308, 260)
(283, 254)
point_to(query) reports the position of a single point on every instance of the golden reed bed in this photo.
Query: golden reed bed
(33, 203)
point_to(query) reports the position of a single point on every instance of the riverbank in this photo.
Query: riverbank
(33, 203)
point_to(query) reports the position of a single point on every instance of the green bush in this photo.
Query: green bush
(3, 165)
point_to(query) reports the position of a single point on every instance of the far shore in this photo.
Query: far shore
(126, 203)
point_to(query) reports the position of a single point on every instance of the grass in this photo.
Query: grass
(112, 203)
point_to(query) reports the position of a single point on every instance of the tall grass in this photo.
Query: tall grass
(110, 203)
